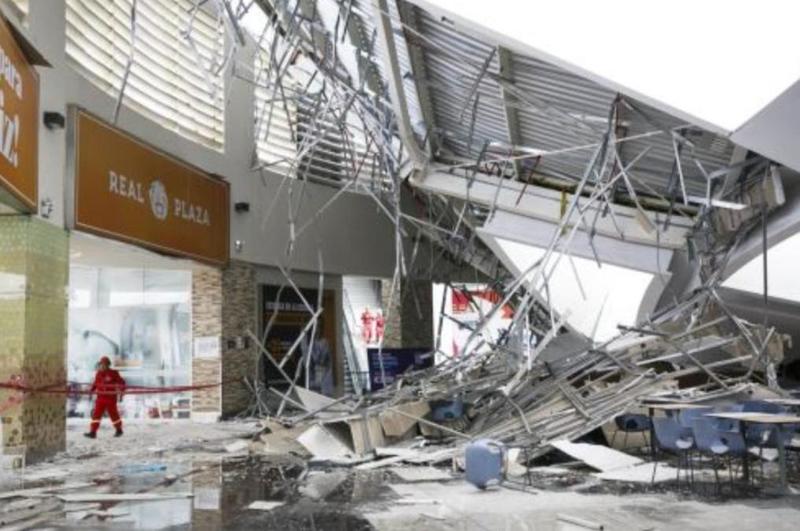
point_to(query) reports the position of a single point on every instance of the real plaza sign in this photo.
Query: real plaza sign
(19, 133)
(128, 190)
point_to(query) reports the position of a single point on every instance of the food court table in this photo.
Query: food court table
(776, 420)
(788, 402)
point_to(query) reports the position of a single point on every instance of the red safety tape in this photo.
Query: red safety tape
(76, 388)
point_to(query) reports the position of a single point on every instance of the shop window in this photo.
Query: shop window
(141, 319)
(177, 75)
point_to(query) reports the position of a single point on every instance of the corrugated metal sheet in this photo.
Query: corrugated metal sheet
(565, 111)
(363, 11)
(556, 110)
(711, 151)
(451, 81)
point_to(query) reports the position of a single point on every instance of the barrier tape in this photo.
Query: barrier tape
(77, 388)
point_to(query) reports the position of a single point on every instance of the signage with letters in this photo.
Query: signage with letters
(395, 361)
(19, 113)
(207, 347)
(128, 190)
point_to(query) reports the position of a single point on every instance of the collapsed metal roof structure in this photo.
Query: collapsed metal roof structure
(455, 138)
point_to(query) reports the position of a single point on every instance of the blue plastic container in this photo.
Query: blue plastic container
(447, 410)
(485, 462)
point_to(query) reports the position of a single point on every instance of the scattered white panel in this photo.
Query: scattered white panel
(642, 473)
(322, 443)
(237, 446)
(596, 456)
(314, 401)
(46, 474)
(263, 505)
(105, 497)
(428, 473)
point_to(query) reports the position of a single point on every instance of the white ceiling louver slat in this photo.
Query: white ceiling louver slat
(166, 83)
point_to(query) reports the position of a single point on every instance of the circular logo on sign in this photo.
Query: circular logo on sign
(158, 200)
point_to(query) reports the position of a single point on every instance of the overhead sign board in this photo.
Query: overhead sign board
(128, 190)
(19, 120)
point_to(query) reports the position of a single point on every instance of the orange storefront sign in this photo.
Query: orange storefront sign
(128, 190)
(19, 120)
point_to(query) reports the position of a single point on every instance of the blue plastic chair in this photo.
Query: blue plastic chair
(711, 440)
(766, 436)
(730, 425)
(686, 418)
(630, 423)
(673, 438)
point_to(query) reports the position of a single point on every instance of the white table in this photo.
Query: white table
(676, 406)
(790, 402)
(776, 420)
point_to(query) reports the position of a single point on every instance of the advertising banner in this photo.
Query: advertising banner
(468, 305)
(396, 361)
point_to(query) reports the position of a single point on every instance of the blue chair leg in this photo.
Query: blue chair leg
(730, 472)
(687, 469)
(681, 456)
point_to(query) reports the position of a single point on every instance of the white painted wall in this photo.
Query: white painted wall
(353, 236)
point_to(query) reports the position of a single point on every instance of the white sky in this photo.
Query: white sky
(782, 264)
(617, 290)
(718, 60)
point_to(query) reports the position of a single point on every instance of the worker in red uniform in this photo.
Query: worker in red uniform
(109, 386)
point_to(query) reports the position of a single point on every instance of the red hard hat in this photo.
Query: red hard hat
(105, 360)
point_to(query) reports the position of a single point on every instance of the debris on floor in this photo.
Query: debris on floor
(596, 456)
(264, 505)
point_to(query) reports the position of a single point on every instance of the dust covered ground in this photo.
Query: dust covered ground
(214, 472)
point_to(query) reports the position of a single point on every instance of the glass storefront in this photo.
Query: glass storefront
(141, 319)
